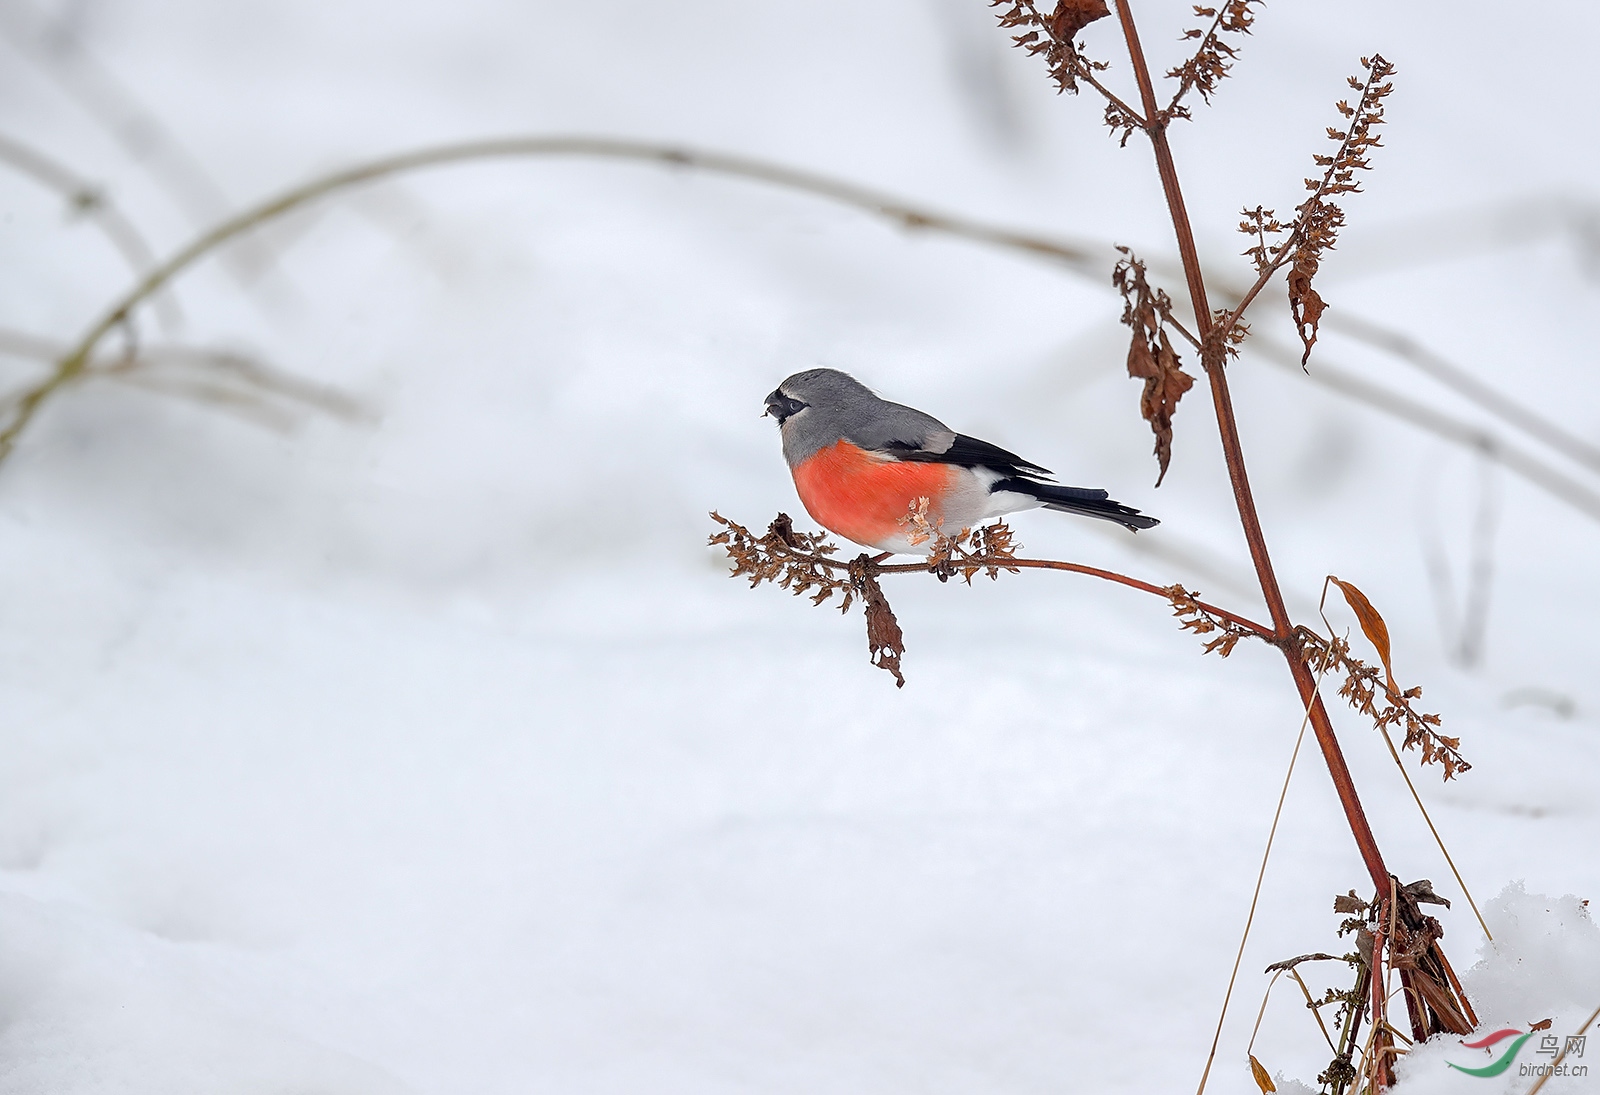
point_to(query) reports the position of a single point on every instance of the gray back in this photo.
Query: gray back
(840, 407)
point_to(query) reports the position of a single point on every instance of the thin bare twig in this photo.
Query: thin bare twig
(1255, 898)
(1587, 1023)
(1439, 840)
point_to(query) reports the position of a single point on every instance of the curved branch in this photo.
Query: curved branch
(72, 365)
(1164, 592)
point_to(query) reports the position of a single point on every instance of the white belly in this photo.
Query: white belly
(969, 505)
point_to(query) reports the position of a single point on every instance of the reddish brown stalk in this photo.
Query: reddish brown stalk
(1455, 983)
(1262, 630)
(1213, 359)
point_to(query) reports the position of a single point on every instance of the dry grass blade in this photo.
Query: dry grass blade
(1278, 969)
(1255, 899)
(1439, 840)
(87, 200)
(227, 379)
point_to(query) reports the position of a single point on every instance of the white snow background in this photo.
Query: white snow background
(435, 753)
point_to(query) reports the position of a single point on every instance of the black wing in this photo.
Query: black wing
(969, 452)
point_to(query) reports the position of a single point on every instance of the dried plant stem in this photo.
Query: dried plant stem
(813, 553)
(1255, 898)
(1376, 1066)
(1311, 1006)
(1213, 360)
(1398, 763)
(1164, 592)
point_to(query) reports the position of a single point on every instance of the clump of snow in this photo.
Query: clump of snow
(1544, 963)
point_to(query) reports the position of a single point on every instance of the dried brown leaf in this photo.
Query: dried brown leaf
(1151, 358)
(1164, 384)
(885, 643)
(1349, 903)
(1305, 307)
(1372, 625)
(1263, 1081)
(1071, 16)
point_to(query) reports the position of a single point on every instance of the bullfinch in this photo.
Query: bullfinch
(862, 464)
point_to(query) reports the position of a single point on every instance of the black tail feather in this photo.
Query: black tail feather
(1079, 500)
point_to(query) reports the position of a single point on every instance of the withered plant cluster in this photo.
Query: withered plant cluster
(1392, 923)
(803, 564)
(1376, 697)
(1317, 221)
(1393, 935)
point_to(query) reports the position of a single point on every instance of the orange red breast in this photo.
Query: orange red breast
(863, 496)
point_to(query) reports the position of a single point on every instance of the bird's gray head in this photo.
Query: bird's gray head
(818, 407)
(827, 390)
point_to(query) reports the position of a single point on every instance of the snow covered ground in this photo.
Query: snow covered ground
(431, 752)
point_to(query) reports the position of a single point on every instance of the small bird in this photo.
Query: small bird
(861, 465)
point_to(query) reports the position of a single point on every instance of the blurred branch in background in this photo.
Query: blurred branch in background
(1463, 620)
(54, 44)
(1463, 383)
(88, 200)
(1457, 431)
(1463, 233)
(225, 379)
(1089, 259)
